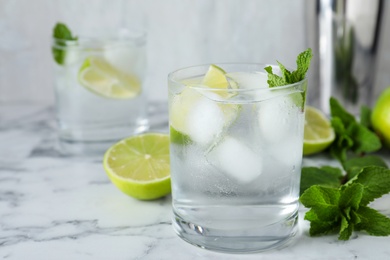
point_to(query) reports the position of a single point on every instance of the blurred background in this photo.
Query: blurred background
(180, 33)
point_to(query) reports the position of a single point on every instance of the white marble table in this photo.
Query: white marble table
(54, 207)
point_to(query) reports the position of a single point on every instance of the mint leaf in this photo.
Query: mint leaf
(365, 116)
(351, 196)
(373, 222)
(323, 202)
(303, 64)
(335, 172)
(342, 143)
(273, 79)
(376, 182)
(365, 141)
(355, 165)
(337, 110)
(61, 34)
(346, 229)
(325, 176)
(322, 227)
(349, 202)
(350, 134)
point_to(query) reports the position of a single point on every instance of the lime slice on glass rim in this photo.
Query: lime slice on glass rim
(101, 78)
(190, 98)
(318, 132)
(139, 166)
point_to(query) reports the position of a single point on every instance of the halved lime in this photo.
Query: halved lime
(318, 133)
(98, 76)
(380, 117)
(139, 166)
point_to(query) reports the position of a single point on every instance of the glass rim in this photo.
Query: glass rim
(117, 37)
(202, 87)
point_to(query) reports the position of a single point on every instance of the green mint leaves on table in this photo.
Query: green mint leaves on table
(350, 134)
(338, 199)
(345, 208)
(61, 34)
(288, 77)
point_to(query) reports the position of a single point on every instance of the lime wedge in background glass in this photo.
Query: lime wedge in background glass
(98, 76)
(139, 166)
(318, 133)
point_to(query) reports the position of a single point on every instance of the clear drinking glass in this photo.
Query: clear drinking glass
(236, 158)
(100, 96)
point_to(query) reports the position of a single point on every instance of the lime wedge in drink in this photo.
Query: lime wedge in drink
(318, 133)
(217, 78)
(139, 166)
(100, 77)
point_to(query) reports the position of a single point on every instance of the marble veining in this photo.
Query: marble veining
(55, 207)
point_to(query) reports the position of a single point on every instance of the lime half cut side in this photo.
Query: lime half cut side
(139, 166)
(318, 132)
(100, 77)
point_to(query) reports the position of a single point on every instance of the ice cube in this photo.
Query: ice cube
(205, 120)
(275, 117)
(123, 58)
(236, 159)
(247, 80)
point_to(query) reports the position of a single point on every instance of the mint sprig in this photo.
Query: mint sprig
(61, 34)
(350, 134)
(344, 209)
(288, 77)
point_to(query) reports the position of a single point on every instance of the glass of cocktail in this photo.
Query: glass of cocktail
(100, 96)
(236, 153)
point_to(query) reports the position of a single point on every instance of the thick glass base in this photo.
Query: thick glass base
(236, 241)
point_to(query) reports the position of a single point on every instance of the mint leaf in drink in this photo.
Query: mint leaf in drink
(287, 77)
(61, 34)
(303, 64)
(355, 165)
(325, 176)
(373, 222)
(273, 79)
